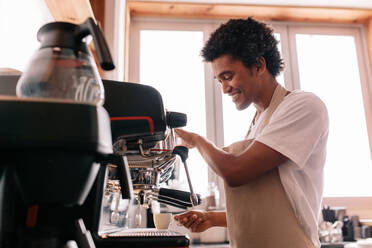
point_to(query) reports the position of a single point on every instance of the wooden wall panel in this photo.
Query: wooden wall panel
(77, 11)
(98, 7)
(74, 11)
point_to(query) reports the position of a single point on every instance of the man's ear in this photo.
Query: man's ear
(261, 65)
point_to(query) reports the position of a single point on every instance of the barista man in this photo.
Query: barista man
(274, 177)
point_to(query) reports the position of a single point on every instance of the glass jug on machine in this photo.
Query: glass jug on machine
(63, 68)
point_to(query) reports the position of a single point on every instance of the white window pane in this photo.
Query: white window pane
(328, 67)
(236, 123)
(280, 77)
(170, 61)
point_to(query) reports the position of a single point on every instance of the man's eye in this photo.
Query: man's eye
(224, 78)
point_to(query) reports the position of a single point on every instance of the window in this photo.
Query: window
(330, 66)
(169, 61)
(325, 59)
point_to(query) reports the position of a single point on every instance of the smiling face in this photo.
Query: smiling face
(238, 81)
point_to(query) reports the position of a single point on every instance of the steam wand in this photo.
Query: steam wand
(183, 152)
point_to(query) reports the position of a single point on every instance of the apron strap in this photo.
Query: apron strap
(276, 99)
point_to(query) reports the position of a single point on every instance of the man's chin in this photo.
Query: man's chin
(241, 107)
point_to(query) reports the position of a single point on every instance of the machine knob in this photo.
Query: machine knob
(176, 119)
(181, 151)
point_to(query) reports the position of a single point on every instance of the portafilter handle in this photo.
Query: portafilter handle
(183, 152)
(177, 198)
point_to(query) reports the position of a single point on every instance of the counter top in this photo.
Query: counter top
(226, 245)
(211, 245)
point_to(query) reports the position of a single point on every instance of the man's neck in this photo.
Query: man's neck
(267, 93)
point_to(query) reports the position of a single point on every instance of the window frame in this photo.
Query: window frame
(357, 32)
(355, 205)
(214, 118)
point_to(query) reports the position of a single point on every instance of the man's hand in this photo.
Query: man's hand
(188, 138)
(196, 221)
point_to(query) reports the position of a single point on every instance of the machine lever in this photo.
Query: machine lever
(183, 152)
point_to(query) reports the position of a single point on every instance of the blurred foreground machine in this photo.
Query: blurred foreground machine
(51, 154)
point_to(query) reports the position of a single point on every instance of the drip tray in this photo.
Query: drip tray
(145, 232)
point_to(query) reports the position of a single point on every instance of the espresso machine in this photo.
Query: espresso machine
(143, 135)
(143, 131)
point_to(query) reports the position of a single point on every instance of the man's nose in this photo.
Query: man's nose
(226, 88)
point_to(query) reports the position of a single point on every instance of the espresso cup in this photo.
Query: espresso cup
(162, 220)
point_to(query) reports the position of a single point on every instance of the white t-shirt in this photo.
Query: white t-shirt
(298, 129)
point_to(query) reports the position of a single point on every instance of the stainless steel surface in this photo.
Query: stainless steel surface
(151, 167)
(114, 210)
(144, 232)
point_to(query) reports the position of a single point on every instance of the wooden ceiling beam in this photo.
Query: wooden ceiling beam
(261, 12)
(74, 11)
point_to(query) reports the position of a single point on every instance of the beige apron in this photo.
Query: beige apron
(259, 214)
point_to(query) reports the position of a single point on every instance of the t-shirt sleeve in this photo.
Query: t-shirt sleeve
(296, 127)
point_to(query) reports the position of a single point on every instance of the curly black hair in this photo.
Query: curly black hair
(247, 40)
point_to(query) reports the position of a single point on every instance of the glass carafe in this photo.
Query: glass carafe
(63, 68)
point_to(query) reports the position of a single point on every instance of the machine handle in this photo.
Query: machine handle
(100, 44)
(176, 119)
(179, 197)
(174, 204)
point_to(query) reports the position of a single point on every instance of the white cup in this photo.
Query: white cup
(162, 220)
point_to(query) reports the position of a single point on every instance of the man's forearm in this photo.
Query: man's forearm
(216, 158)
(237, 170)
(218, 218)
